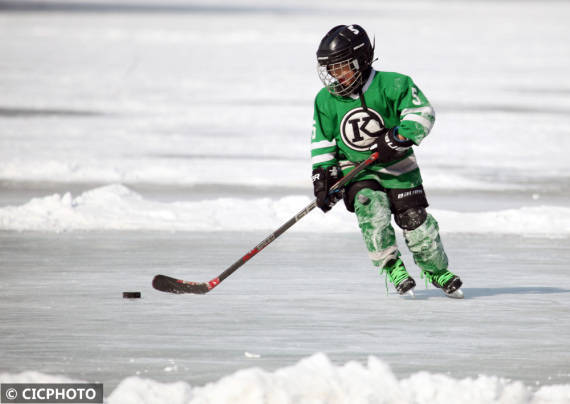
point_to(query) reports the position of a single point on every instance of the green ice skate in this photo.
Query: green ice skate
(446, 281)
(399, 277)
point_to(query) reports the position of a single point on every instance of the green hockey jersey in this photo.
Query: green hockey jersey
(343, 131)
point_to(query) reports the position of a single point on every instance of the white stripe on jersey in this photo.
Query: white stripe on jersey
(344, 164)
(401, 167)
(322, 144)
(428, 110)
(322, 158)
(426, 123)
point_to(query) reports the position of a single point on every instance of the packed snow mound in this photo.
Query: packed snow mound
(116, 207)
(317, 380)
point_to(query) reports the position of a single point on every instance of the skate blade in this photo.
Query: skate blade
(409, 293)
(458, 294)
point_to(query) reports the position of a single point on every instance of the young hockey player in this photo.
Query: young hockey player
(360, 111)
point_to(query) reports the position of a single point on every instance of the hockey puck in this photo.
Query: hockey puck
(131, 295)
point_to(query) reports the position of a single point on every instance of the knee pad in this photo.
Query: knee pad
(411, 219)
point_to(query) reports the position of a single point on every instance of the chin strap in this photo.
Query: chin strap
(360, 93)
(362, 100)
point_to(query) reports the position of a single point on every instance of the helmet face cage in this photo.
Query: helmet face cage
(341, 78)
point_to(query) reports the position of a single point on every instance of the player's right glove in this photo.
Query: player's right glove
(323, 180)
(389, 145)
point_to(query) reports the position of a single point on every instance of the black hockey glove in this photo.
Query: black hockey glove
(323, 180)
(389, 146)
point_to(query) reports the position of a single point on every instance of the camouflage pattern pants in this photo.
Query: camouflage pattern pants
(372, 210)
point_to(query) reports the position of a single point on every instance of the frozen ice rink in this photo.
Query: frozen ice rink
(172, 137)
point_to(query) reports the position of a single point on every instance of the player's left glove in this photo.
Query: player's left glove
(323, 180)
(389, 145)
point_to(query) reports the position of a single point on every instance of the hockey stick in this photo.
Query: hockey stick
(172, 285)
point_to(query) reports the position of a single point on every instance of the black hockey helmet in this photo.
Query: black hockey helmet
(344, 47)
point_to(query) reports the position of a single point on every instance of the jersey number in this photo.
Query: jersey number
(415, 99)
(314, 134)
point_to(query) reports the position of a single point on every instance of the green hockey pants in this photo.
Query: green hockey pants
(372, 210)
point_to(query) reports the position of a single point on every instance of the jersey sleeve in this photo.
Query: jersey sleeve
(416, 114)
(323, 145)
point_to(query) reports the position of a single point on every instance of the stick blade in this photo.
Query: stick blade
(172, 285)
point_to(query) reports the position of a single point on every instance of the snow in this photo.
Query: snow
(171, 138)
(116, 207)
(317, 380)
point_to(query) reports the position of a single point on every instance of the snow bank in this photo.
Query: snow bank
(317, 380)
(115, 207)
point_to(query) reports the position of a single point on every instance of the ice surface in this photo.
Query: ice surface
(63, 312)
(171, 137)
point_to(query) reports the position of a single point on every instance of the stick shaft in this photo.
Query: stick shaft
(173, 285)
(269, 239)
